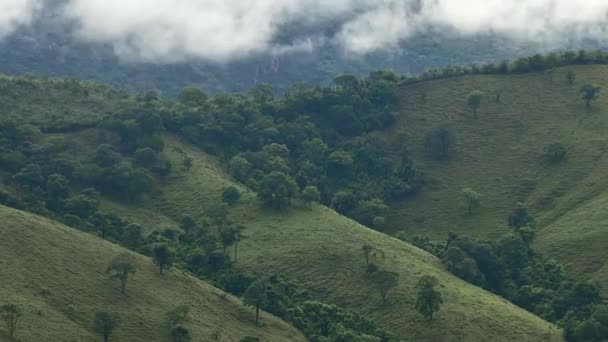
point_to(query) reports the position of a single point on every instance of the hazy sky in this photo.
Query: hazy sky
(220, 30)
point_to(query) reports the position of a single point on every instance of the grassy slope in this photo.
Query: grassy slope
(321, 250)
(500, 156)
(38, 254)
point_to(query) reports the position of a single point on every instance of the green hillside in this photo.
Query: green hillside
(322, 251)
(57, 276)
(500, 155)
(318, 249)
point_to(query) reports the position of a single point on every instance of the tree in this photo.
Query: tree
(344, 202)
(590, 93)
(555, 153)
(498, 95)
(276, 190)
(310, 194)
(192, 96)
(262, 93)
(29, 177)
(11, 314)
(231, 195)
(368, 210)
(187, 162)
(228, 236)
(106, 156)
(218, 215)
(367, 250)
(440, 142)
(256, 296)
(179, 315)
(179, 333)
(121, 268)
(57, 186)
(570, 77)
(162, 255)
(520, 217)
(472, 199)
(474, 101)
(105, 322)
(133, 235)
(384, 281)
(429, 299)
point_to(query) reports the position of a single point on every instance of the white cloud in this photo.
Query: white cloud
(14, 13)
(221, 30)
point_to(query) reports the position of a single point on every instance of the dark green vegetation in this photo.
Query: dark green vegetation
(184, 216)
(122, 171)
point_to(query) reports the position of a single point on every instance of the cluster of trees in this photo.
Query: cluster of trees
(510, 267)
(47, 179)
(533, 63)
(428, 299)
(310, 143)
(318, 321)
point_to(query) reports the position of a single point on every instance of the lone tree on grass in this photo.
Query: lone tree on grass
(429, 299)
(105, 323)
(472, 199)
(474, 101)
(177, 317)
(570, 77)
(367, 250)
(180, 333)
(11, 314)
(310, 194)
(590, 93)
(440, 142)
(256, 296)
(121, 268)
(162, 255)
(384, 281)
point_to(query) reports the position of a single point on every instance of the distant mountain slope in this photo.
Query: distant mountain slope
(501, 156)
(57, 276)
(49, 48)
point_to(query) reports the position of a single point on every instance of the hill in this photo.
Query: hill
(57, 276)
(321, 250)
(318, 249)
(501, 156)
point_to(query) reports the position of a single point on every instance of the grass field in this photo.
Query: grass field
(322, 251)
(57, 275)
(500, 155)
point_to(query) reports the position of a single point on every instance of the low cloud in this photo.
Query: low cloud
(14, 13)
(223, 30)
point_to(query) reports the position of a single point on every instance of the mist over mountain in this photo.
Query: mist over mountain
(232, 45)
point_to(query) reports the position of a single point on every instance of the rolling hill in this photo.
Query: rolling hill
(318, 248)
(321, 250)
(501, 156)
(57, 276)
